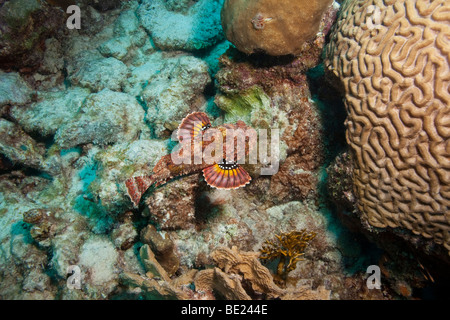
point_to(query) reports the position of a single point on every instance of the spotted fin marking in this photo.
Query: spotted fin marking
(137, 186)
(193, 125)
(226, 175)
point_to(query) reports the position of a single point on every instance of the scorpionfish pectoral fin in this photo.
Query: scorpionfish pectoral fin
(136, 187)
(226, 175)
(193, 125)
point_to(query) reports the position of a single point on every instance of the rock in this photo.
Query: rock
(23, 25)
(38, 281)
(118, 163)
(51, 111)
(126, 23)
(51, 72)
(176, 91)
(23, 265)
(125, 234)
(173, 205)
(53, 61)
(93, 20)
(13, 89)
(178, 5)
(116, 48)
(99, 74)
(266, 26)
(142, 75)
(340, 182)
(130, 40)
(105, 117)
(238, 72)
(19, 147)
(67, 243)
(106, 5)
(97, 262)
(273, 93)
(80, 48)
(195, 29)
(294, 181)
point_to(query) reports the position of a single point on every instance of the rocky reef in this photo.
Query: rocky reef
(194, 25)
(24, 25)
(83, 110)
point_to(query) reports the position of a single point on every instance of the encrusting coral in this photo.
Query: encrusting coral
(289, 248)
(392, 58)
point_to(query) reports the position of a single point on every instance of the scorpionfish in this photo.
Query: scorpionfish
(224, 174)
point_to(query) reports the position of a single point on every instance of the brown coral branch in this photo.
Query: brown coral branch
(289, 247)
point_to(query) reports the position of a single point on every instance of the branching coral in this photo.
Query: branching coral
(289, 248)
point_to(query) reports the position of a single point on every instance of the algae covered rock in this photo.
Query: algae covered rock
(270, 26)
(198, 27)
(105, 117)
(130, 39)
(52, 110)
(119, 162)
(252, 106)
(19, 147)
(173, 206)
(99, 74)
(106, 5)
(175, 91)
(125, 234)
(98, 261)
(140, 76)
(273, 93)
(23, 25)
(13, 89)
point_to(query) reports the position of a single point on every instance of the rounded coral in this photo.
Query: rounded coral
(392, 58)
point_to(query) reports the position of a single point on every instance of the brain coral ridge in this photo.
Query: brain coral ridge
(393, 60)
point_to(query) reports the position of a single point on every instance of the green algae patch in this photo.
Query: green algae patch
(251, 106)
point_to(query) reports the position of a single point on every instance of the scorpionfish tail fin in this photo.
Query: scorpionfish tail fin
(193, 125)
(226, 175)
(136, 187)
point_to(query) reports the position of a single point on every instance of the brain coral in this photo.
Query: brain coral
(393, 60)
(272, 26)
